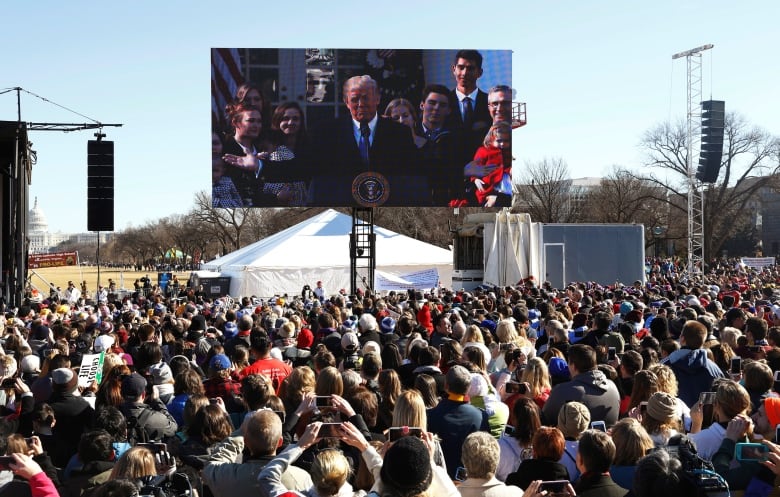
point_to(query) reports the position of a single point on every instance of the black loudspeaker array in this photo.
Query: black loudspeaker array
(712, 123)
(100, 185)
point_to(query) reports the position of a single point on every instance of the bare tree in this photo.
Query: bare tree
(225, 226)
(545, 191)
(621, 197)
(750, 163)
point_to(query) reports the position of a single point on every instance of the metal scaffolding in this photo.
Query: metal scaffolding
(695, 191)
(362, 250)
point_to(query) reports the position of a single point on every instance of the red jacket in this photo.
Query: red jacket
(490, 157)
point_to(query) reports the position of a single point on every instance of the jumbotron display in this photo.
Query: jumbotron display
(361, 127)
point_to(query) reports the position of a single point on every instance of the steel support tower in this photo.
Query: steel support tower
(362, 250)
(695, 191)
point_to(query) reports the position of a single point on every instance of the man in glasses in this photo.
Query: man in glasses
(500, 104)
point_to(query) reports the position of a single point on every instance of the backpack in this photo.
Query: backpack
(136, 433)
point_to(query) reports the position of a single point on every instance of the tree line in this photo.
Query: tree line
(653, 194)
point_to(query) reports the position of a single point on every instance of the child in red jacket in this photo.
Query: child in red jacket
(497, 151)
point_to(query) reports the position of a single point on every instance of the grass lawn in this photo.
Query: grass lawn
(60, 276)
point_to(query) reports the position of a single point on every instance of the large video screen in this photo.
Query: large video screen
(331, 127)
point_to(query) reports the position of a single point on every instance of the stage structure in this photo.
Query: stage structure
(17, 159)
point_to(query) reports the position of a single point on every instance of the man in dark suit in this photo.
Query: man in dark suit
(469, 103)
(443, 154)
(363, 158)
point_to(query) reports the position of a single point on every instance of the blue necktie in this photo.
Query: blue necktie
(365, 133)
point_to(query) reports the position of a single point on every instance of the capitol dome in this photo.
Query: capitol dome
(36, 222)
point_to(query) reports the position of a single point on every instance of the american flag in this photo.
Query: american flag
(226, 77)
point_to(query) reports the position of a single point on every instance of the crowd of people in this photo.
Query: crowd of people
(456, 153)
(658, 387)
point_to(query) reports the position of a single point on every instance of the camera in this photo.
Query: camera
(175, 485)
(699, 472)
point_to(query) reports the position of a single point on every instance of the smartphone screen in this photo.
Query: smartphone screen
(460, 474)
(751, 452)
(736, 365)
(612, 353)
(554, 487)
(512, 387)
(323, 401)
(5, 462)
(643, 408)
(599, 425)
(330, 430)
(397, 432)
(155, 447)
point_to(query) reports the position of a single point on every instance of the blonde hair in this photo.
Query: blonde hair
(329, 472)
(329, 382)
(289, 327)
(730, 335)
(631, 442)
(506, 333)
(135, 463)
(498, 128)
(7, 365)
(667, 381)
(395, 103)
(536, 375)
(300, 382)
(472, 334)
(410, 410)
(110, 360)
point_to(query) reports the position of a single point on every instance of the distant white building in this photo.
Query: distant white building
(41, 241)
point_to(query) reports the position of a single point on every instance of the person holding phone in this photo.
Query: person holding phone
(515, 444)
(548, 446)
(39, 483)
(731, 400)
(258, 439)
(662, 420)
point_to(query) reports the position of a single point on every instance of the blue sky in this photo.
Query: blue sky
(595, 76)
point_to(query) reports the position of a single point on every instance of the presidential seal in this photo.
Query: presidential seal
(370, 189)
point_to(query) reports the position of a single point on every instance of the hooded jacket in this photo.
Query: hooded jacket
(694, 372)
(591, 388)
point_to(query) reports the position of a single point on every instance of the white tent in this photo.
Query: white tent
(318, 250)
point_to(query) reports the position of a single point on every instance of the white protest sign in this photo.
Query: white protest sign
(91, 369)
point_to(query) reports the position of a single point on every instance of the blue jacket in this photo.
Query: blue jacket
(453, 421)
(694, 372)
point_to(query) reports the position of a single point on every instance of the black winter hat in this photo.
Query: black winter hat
(407, 467)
